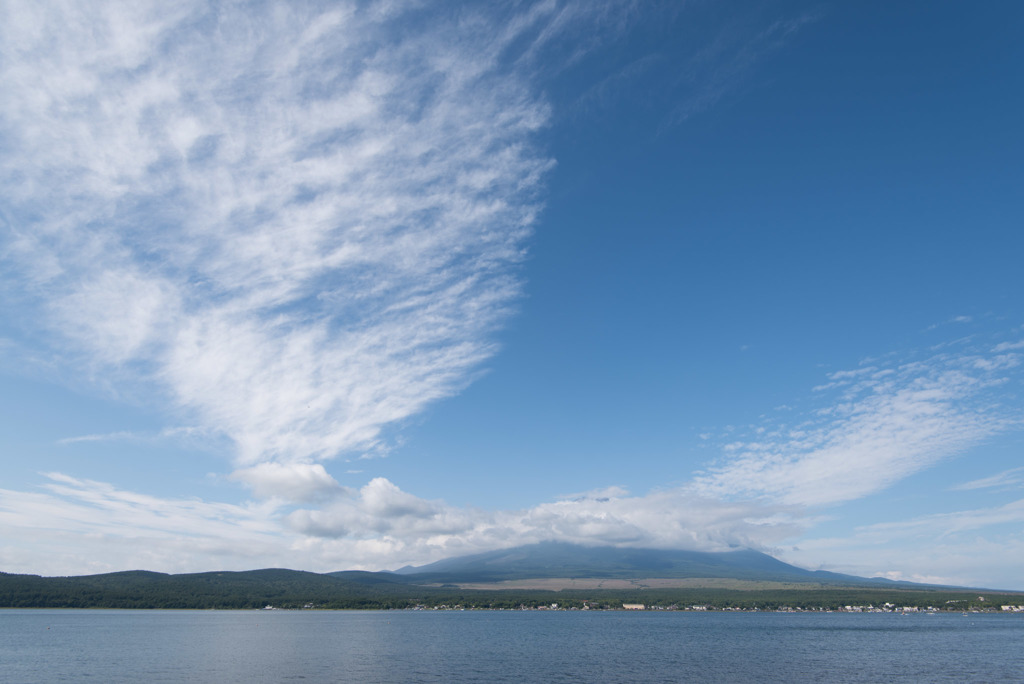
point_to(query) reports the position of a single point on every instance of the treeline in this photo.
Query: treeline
(289, 589)
(224, 590)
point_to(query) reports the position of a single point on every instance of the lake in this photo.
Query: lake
(506, 646)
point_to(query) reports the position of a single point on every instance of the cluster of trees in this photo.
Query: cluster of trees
(256, 589)
(296, 590)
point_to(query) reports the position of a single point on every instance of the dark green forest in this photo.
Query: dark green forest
(291, 589)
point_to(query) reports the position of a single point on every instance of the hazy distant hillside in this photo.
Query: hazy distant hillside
(741, 579)
(744, 580)
(553, 559)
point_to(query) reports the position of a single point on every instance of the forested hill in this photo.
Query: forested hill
(291, 589)
(251, 589)
(524, 576)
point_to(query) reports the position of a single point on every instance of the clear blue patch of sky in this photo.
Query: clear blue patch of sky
(43, 424)
(851, 187)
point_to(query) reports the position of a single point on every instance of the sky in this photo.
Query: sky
(335, 285)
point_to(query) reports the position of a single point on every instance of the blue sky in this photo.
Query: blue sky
(359, 285)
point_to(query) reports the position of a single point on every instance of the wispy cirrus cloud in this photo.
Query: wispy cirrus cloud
(974, 547)
(1012, 478)
(170, 433)
(75, 526)
(297, 224)
(875, 426)
(955, 320)
(1008, 346)
(724, 65)
(121, 435)
(940, 525)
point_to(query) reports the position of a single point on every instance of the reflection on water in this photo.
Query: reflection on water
(315, 646)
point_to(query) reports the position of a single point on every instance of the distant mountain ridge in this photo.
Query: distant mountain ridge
(525, 575)
(563, 560)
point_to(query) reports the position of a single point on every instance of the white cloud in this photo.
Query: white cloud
(76, 526)
(187, 436)
(979, 547)
(300, 226)
(407, 529)
(118, 436)
(880, 425)
(79, 526)
(947, 524)
(291, 481)
(1008, 346)
(297, 227)
(1014, 477)
(957, 320)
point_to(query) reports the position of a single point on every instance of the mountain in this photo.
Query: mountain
(562, 560)
(524, 576)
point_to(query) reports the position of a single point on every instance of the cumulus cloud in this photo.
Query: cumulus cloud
(381, 508)
(75, 526)
(291, 481)
(59, 529)
(408, 529)
(878, 425)
(297, 224)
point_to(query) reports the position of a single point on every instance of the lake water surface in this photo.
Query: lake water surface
(481, 646)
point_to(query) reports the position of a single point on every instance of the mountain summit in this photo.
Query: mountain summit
(562, 560)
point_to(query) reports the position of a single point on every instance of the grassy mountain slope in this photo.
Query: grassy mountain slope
(555, 559)
(745, 579)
